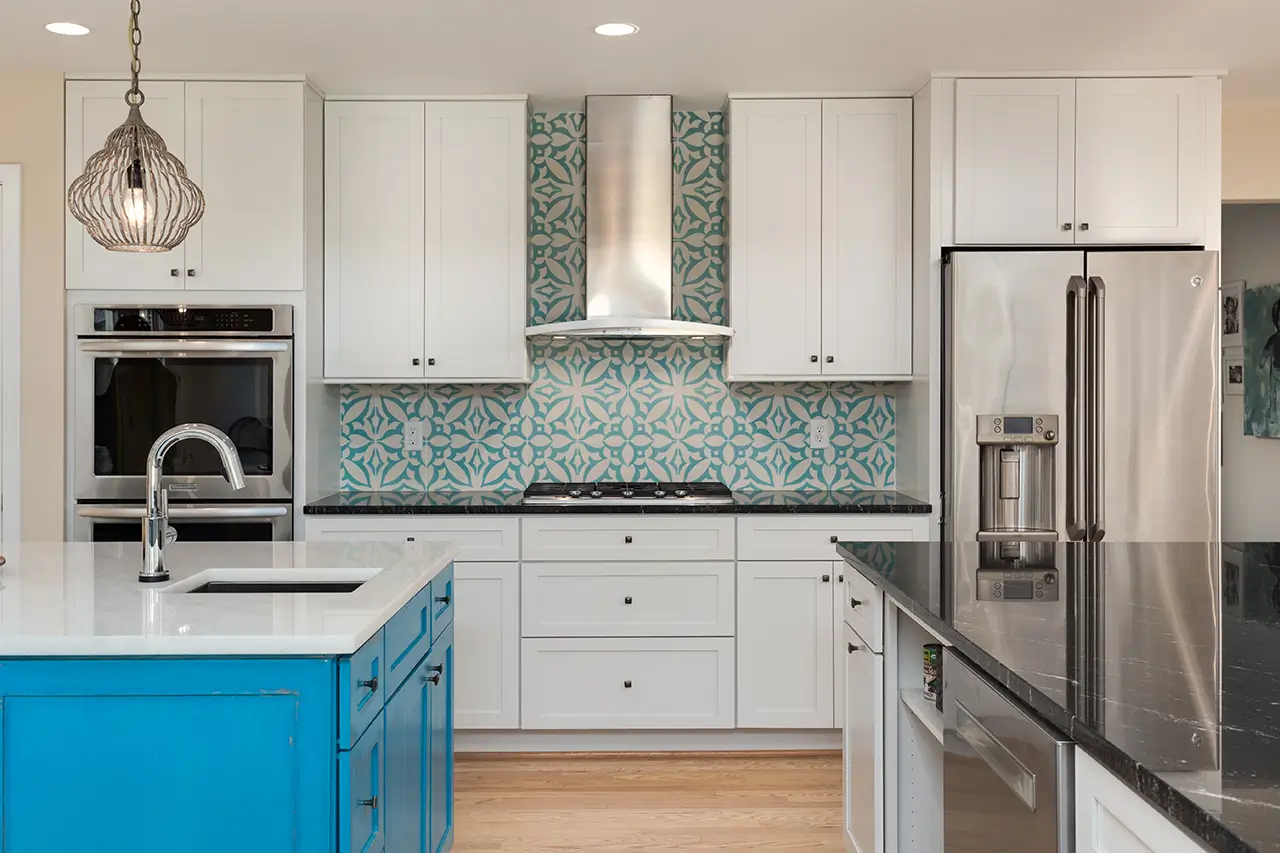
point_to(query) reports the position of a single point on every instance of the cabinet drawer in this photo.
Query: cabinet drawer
(407, 637)
(361, 792)
(627, 537)
(864, 608)
(814, 537)
(362, 683)
(658, 683)
(441, 602)
(628, 599)
(480, 539)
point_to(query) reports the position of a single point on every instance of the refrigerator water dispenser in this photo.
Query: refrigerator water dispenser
(1016, 497)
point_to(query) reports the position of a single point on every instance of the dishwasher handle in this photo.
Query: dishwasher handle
(996, 756)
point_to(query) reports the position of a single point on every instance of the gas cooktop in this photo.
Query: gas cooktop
(626, 493)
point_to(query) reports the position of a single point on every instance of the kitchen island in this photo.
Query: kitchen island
(188, 716)
(1159, 661)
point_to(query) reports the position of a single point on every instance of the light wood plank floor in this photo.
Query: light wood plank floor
(659, 803)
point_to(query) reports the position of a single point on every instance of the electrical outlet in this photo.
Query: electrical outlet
(413, 435)
(820, 433)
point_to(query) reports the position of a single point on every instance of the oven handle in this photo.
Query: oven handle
(124, 349)
(178, 512)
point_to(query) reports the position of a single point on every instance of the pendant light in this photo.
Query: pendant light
(134, 196)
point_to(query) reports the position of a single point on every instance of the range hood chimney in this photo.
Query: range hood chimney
(629, 226)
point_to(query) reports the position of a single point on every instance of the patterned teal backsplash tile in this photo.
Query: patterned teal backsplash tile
(620, 410)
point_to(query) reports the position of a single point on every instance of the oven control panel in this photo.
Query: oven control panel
(1019, 585)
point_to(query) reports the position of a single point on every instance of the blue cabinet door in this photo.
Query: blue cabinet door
(161, 755)
(408, 767)
(361, 792)
(439, 663)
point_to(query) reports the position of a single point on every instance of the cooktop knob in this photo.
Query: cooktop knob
(628, 493)
(597, 493)
(682, 493)
(658, 493)
(575, 493)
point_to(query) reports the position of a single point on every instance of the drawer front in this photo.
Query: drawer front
(406, 637)
(480, 539)
(815, 537)
(627, 537)
(441, 602)
(863, 607)
(362, 679)
(628, 600)
(361, 793)
(656, 683)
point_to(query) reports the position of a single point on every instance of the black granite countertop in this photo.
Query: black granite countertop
(1162, 661)
(481, 503)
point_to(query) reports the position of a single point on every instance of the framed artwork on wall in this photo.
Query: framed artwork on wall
(1233, 372)
(1232, 306)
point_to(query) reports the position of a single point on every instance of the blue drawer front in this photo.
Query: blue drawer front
(441, 602)
(407, 637)
(362, 680)
(361, 792)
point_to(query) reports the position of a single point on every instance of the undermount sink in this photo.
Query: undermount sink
(268, 581)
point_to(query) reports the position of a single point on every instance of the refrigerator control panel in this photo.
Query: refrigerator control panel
(1032, 585)
(1017, 429)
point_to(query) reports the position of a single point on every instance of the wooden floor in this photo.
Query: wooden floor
(668, 802)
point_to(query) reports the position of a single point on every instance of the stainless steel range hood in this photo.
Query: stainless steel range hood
(629, 226)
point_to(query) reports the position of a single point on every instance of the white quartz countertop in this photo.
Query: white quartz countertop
(84, 599)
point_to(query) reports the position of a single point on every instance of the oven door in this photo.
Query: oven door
(221, 522)
(128, 392)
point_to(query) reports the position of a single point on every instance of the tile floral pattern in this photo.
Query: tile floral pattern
(620, 410)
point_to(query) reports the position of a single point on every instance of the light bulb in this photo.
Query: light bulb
(136, 207)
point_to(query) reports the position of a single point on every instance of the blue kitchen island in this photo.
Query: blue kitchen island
(271, 697)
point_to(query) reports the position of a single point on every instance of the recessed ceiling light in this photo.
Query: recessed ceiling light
(618, 29)
(64, 28)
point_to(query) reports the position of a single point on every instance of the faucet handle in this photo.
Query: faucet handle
(170, 535)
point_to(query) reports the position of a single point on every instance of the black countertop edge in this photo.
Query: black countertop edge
(1157, 792)
(509, 503)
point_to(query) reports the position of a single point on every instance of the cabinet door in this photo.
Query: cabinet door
(477, 295)
(785, 643)
(487, 632)
(407, 801)
(439, 673)
(863, 747)
(245, 151)
(374, 208)
(1140, 161)
(1015, 161)
(866, 237)
(1112, 818)
(837, 636)
(362, 800)
(775, 222)
(93, 110)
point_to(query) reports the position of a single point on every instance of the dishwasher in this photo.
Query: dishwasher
(1008, 778)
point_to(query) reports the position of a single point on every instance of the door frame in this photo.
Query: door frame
(10, 352)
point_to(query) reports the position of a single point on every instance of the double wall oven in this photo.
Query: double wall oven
(140, 370)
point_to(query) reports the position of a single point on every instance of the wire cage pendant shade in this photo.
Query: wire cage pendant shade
(135, 196)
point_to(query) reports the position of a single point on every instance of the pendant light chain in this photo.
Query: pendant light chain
(134, 96)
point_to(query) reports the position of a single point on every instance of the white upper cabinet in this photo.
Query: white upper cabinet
(425, 241)
(93, 110)
(775, 237)
(1015, 160)
(1140, 161)
(477, 230)
(1115, 161)
(244, 150)
(820, 239)
(244, 145)
(375, 155)
(866, 237)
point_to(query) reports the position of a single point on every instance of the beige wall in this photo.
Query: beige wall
(31, 135)
(1251, 151)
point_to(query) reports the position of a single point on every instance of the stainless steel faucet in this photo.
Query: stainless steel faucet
(155, 527)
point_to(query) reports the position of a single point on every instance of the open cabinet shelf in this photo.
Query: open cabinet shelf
(924, 710)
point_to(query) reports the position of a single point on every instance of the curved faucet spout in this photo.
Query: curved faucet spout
(156, 524)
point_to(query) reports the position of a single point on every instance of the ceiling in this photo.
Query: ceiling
(695, 49)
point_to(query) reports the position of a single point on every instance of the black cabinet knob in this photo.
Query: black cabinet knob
(626, 600)
(175, 272)
(853, 602)
(371, 803)
(840, 579)
(1084, 226)
(626, 684)
(410, 539)
(431, 362)
(626, 539)
(372, 683)
(434, 678)
(814, 359)
(852, 648)
(826, 578)
(830, 359)
(1066, 226)
(835, 539)
(191, 273)
(443, 599)
(417, 361)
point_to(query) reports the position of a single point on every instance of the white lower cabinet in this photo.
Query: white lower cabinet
(486, 636)
(627, 683)
(785, 645)
(1111, 818)
(863, 746)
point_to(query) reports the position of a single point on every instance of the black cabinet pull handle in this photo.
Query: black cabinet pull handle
(372, 683)
(372, 802)
(175, 272)
(852, 648)
(835, 539)
(626, 684)
(830, 359)
(627, 539)
(417, 362)
(434, 678)
(814, 359)
(841, 579)
(431, 361)
(409, 539)
(443, 599)
(853, 602)
(191, 273)
(1084, 226)
(826, 578)
(626, 600)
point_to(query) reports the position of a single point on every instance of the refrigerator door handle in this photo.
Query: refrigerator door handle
(1097, 404)
(1077, 332)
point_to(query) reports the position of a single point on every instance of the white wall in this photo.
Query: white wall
(1250, 466)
